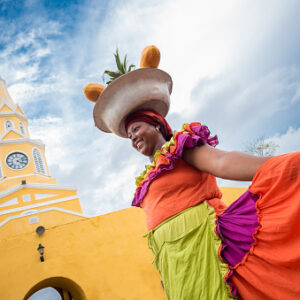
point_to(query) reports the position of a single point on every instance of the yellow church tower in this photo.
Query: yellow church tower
(26, 186)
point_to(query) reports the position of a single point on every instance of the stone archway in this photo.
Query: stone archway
(67, 288)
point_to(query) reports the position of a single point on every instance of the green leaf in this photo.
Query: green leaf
(122, 68)
(130, 67)
(112, 74)
(124, 65)
(118, 61)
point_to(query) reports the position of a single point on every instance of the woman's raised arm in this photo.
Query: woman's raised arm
(223, 164)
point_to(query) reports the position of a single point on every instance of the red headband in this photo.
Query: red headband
(151, 117)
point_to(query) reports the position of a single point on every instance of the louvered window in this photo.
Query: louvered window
(38, 161)
(22, 128)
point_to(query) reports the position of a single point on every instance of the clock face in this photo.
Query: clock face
(17, 160)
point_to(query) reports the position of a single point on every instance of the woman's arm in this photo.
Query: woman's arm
(227, 165)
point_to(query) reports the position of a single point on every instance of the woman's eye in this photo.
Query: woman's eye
(135, 129)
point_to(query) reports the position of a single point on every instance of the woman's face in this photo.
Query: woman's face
(145, 138)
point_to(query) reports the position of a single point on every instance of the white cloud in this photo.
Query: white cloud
(288, 141)
(239, 110)
(229, 71)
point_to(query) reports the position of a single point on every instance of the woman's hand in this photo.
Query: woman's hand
(227, 165)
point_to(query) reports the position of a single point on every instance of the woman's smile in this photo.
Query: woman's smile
(145, 138)
(139, 144)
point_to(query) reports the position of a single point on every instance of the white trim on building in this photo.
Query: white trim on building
(11, 114)
(22, 215)
(23, 176)
(9, 211)
(37, 143)
(37, 186)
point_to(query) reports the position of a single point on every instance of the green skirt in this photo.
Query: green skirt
(185, 249)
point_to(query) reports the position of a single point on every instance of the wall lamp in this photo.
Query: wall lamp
(41, 251)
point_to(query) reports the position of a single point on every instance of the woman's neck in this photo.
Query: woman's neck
(157, 147)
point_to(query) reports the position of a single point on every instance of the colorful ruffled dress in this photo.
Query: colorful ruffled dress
(205, 250)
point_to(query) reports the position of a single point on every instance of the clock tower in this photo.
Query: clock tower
(20, 156)
(26, 186)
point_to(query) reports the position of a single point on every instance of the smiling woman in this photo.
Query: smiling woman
(203, 249)
(148, 131)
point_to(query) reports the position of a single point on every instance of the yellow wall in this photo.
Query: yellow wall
(105, 256)
(231, 194)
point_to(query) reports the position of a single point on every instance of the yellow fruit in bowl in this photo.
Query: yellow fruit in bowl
(93, 90)
(150, 57)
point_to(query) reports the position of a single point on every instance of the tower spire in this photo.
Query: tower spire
(5, 97)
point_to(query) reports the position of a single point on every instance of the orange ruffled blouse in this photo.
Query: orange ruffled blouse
(164, 200)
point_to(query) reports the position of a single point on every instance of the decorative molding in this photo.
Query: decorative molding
(26, 198)
(29, 212)
(43, 186)
(41, 211)
(10, 202)
(8, 131)
(23, 176)
(39, 196)
(27, 207)
(11, 114)
(38, 143)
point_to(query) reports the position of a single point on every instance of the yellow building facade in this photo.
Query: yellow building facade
(103, 257)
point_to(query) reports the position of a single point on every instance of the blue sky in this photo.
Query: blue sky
(235, 67)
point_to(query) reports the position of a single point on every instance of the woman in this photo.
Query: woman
(187, 281)
(202, 249)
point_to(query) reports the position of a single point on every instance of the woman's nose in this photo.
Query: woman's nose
(133, 136)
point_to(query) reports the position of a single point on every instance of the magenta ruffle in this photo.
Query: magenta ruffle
(183, 139)
(236, 227)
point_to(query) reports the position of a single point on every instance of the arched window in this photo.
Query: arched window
(9, 125)
(47, 293)
(22, 128)
(38, 161)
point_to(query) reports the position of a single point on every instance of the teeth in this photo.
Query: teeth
(138, 145)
